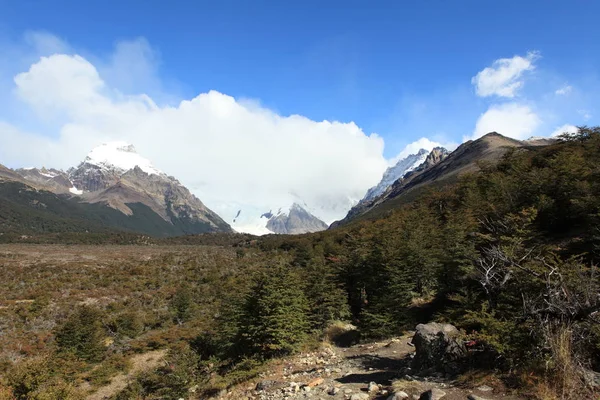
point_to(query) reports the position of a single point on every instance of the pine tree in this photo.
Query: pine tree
(327, 299)
(274, 319)
(82, 334)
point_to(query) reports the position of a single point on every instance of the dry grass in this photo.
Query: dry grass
(564, 376)
(410, 387)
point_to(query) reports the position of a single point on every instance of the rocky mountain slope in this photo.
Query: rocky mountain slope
(296, 220)
(392, 174)
(292, 220)
(439, 168)
(115, 176)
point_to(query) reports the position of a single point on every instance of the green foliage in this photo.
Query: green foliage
(82, 334)
(181, 304)
(274, 318)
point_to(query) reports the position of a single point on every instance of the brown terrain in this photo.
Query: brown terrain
(365, 371)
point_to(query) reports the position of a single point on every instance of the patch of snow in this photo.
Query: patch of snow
(76, 191)
(392, 174)
(48, 174)
(122, 156)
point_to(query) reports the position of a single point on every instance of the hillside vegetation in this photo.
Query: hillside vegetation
(507, 254)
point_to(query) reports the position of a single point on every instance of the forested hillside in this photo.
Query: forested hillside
(509, 255)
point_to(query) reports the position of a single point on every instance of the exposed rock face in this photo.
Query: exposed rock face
(296, 221)
(392, 174)
(428, 160)
(437, 155)
(48, 179)
(438, 347)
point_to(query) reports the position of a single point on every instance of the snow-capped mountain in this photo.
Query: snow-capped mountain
(114, 174)
(295, 219)
(392, 174)
(105, 164)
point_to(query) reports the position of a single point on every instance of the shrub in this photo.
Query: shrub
(82, 334)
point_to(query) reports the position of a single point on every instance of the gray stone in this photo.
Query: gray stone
(333, 391)
(485, 388)
(438, 347)
(432, 394)
(373, 387)
(359, 396)
(263, 385)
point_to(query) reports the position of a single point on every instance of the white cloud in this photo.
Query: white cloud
(564, 90)
(510, 119)
(567, 128)
(504, 77)
(231, 154)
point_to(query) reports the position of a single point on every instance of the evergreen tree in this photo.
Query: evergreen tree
(274, 318)
(82, 334)
(327, 299)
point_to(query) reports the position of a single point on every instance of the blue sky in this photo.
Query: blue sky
(382, 66)
(407, 71)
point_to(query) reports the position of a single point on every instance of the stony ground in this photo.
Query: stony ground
(366, 371)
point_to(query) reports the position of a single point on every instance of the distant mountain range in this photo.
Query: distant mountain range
(439, 168)
(115, 188)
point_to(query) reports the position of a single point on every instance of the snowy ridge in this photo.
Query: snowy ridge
(76, 191)
(295, 218)
(120, 156)
(392, 174)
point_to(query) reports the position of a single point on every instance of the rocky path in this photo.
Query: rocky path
(366, 371)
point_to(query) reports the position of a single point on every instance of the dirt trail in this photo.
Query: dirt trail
(139, 363)
(347, 373)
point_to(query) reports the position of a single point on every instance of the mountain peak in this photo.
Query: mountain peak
(121, 156)
(392, 174)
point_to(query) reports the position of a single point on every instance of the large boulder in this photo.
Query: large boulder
(438, 348)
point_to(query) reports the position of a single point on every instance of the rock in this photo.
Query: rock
(432, 394)
(306, 388)
(373, 387)
(592, 379)
(473, 397)
(438, 347)
(332, 391)
(485, 388)
(359, 396)
(398, 396)
(315, 382)
(263, 385)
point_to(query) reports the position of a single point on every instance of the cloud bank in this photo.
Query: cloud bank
(231, 154)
